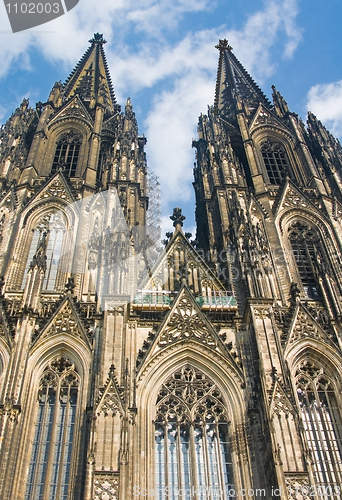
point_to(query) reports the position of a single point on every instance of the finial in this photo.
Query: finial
(69, 286)
(294, 293)
(177, 217)
(97, 38)
(223, 45)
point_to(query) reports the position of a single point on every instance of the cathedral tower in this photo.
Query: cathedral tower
(199, 369)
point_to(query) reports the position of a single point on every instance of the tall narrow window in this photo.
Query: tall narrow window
(67, 152)
(49, 469)
(52, 227)
(104, 160)
(276, 161)
(191, 444)
(323, 428)
(307, 251)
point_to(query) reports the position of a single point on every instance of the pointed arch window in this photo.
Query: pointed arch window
(50, 463)
(67, 153)
(50, 228)
(276, 161)
(307, 251)
(322, 426)
(104, 160)
(191, 439)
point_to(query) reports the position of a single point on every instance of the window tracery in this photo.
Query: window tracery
(67, 153)
(307, 251)
(276, 161)
(51, 229)
(50, 464)
(191, 443)
(322, 426)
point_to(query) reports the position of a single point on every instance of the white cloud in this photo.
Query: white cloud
(254, 43)
(325, 101)
(171, 124)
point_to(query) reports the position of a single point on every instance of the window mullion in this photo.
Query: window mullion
(179, 457)
(206, 460)
(48, 269)
(323, 438)
(328, 438)
(40, 441)
(219, 459)
(337, 462)
(193, 458)
(166, 450)
(319, 441)
(46, 493)
(64, 441)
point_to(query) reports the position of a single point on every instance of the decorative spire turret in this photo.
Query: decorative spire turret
(280, 105)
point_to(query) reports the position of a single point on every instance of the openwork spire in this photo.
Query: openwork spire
(90, 77)
(234, 84)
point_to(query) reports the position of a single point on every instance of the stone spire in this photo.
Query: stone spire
(234, 85)
(90, 78)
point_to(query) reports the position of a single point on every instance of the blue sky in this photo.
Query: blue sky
(162, 54)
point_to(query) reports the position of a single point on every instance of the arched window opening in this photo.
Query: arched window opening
(191, 438)
(51, 227)
(307, 251)
(104, 160)
(50, 464)
(276, 161)
(322, 426)
(67, 152)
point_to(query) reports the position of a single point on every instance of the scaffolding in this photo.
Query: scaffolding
(153, 216)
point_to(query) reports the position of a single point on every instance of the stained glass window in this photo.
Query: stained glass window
(323, 428)
(307, 251)
(50, 228)
(276, 161)
(49, 469)
(191, 439)
(66, 154)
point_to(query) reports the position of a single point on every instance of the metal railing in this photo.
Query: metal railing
(153, 299)
(161, 299)
(217, 300)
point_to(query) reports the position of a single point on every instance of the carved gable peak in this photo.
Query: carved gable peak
(110, 401)
(185, 324)
(293, 198)
(266, 118)
(65, 321)
(304, 326)
(179, 245)
(186, 321)
(74, 109)
(280, 403)
(56, 187)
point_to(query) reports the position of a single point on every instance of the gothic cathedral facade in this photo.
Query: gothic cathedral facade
(206, 368)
